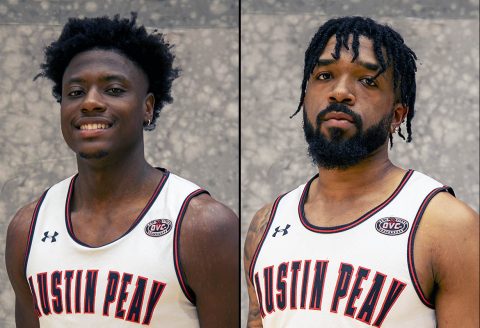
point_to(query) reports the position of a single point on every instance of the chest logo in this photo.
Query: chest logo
(158, 228)
(53, 238)
(391, 226)
(283, 231)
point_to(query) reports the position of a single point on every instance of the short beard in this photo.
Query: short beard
(98, 155)
(341, 153)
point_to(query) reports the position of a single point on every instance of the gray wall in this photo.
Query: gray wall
(196, 136)
(275, 34)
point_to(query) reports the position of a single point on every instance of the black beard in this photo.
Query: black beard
(341, 153)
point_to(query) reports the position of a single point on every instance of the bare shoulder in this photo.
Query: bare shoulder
(205, 215)
(18, 229)
(209, 250)
(446, 215)
(17, 236)
(449, 232)
(255, 232)
(209, 233)
(451, 228)
(21, 220)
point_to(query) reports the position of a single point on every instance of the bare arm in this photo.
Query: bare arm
(14, 258)
(255, 232)
(209, 252)
(451, 228)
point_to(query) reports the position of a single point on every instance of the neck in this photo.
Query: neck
(104, 179)
(339, 185)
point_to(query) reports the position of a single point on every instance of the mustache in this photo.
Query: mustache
(339, 108)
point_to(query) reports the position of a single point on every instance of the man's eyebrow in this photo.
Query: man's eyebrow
(114, 77)
(325, 62)
(370, 66)
(107, 78)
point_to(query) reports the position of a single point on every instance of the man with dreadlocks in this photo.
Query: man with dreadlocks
(121, 243)
(363, 242)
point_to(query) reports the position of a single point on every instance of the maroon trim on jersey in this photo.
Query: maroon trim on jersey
(364, 217)
(187, 291)
(411, 242)
(31, 230)
(68, 219)
(259, 246)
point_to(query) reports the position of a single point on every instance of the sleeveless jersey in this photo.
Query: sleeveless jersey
(133, 281)
(355, 275)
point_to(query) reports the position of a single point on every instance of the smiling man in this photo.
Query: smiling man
(121, 243)
(363, 242)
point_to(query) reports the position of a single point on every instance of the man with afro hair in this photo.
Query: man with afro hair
(363, 242)
(121, 243)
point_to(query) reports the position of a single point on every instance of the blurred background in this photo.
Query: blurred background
(197, 136)
(274, 37)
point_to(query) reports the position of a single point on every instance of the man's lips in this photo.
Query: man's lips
(92, 123)
(94, 126)
(337, 116)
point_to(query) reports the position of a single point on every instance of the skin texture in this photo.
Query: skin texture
(446, 249)
(106, 87)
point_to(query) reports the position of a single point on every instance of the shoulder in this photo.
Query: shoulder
(452, 229)
(209, 246)
(208, 226)
(206, 215)
(20, 224)
(445, 214)
(17, 236)
(255, 232)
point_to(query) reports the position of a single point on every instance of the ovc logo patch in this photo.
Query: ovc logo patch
(391, 226)
(158, 228)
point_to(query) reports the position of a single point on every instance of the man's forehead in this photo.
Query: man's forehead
(365, 48)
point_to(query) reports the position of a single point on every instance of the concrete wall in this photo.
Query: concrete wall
(196, 136)
(275, 35)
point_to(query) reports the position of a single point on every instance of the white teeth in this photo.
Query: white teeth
(93, 126)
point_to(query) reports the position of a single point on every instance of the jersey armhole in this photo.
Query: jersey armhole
(187, 291)
(31, 231)
(411, 241)
(259, 246)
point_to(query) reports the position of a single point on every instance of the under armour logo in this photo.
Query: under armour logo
(284, 231)
(55, 234)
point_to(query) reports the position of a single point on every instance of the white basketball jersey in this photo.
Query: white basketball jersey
(356, 275)
(133, 281)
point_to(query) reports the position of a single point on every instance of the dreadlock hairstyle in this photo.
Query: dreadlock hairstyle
(398, 55)
(149, 51)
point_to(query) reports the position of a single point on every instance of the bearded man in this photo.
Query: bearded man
(363, 242)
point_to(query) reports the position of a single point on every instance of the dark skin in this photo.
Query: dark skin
(446, 249)
(106, 88)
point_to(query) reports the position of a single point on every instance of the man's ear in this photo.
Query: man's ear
(149, 104)
(399, 114)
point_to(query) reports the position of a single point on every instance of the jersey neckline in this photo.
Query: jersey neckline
(354, 223)
(68, 219)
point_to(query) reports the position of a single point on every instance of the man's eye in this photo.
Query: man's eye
(115, 91)
(369, 81)
(324, 76)
(75, 93)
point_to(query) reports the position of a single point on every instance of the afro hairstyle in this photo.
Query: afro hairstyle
(149, 51)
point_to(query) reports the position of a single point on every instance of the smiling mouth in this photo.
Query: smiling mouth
(95, 126)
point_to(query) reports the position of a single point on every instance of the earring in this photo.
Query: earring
(149, 121)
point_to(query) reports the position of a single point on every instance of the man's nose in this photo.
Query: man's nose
(341, 92)
(93, 101)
